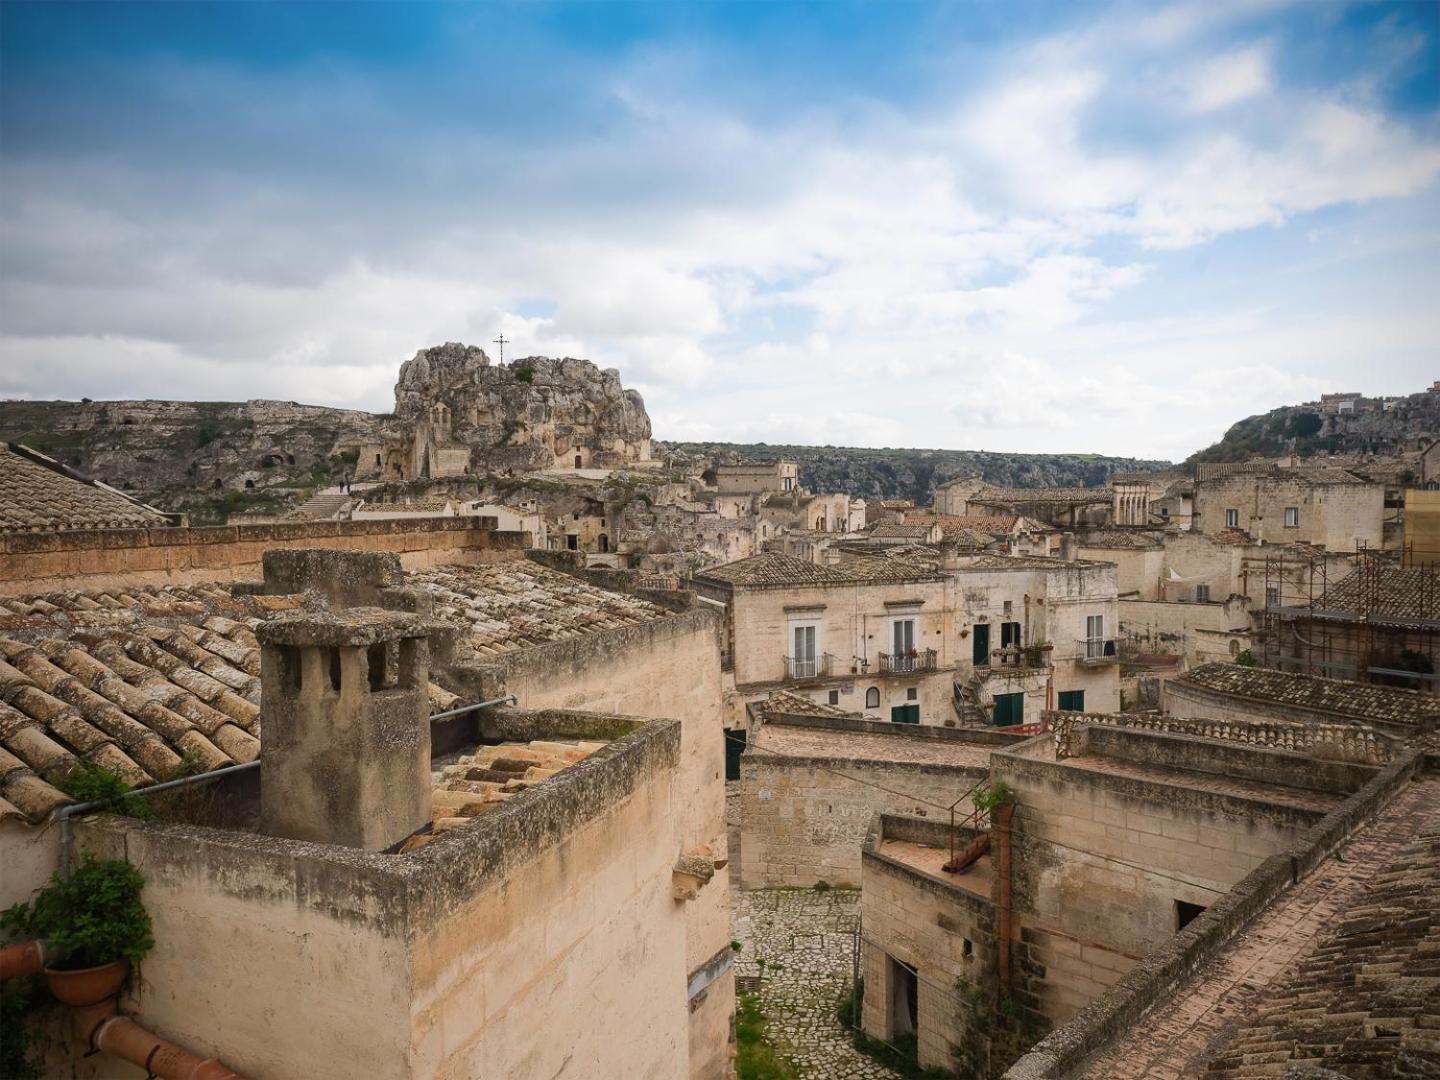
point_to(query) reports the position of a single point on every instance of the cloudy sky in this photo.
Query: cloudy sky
(1006, 226)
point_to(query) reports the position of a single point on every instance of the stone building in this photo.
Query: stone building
(549, 843)
(872, 635)
(760, 477)
(810, 782)
(1314, 505)
(1118, 859)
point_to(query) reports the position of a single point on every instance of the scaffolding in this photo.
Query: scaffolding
(1379, 623)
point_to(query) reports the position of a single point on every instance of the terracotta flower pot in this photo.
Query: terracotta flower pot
(88, 986)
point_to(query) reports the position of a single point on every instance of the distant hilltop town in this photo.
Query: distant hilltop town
(489, 738)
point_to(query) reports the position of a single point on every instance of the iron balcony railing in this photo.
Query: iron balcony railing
(801, 668)
(1020, 656)
(916, 660)
(1095, 652)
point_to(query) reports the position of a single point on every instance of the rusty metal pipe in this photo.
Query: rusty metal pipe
(24, 958)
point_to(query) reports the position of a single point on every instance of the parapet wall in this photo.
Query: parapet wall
(128, 558)
(902, 731)
(1186, 698)
(1159, 975)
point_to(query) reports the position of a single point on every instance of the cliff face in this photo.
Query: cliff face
(537, 412)
(913, 474)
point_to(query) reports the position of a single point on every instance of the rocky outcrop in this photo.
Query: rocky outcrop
(457, 413)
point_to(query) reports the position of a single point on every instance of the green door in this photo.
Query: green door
(1072, 700)
(1009, 709)
(905, 714)
(981, 654)
(734, 746)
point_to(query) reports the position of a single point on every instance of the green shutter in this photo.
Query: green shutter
(1072, 700)
(981, 653)
(1009, 709)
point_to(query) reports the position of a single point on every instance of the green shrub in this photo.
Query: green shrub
(989, 796)
(207, 433)
(91, 919)
(523, 372)
(20, 1000)
(1245, 658)
(89, 782)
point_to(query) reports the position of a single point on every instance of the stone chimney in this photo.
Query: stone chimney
(949, 556)
(346, 752)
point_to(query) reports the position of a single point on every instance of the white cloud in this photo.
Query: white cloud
(1230, 78)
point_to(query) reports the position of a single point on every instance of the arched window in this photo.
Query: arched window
(872, 698)
(604, 543)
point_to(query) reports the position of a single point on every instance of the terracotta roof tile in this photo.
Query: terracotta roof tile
(774, 569)
(1362, 702)
(1403, 592)
(35, 497)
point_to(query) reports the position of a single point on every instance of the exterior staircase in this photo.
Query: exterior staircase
(969, 709)
(323, 505)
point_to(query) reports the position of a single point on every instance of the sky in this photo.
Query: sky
(1004, 226)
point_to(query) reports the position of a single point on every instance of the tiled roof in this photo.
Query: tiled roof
(35, 497)
(514, 605)
(1365, 1001)
(1020, 562)
(784, 703)
(910, 531)
(1120, 538)
(1359, 701)
(1075, 495)
(1402, 592)
(145, 682)
(774, 569)
(142, 689)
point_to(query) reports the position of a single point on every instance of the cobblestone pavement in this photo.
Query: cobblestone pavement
(806, 940)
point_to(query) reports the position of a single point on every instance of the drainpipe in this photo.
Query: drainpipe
(463, 709)
(105, 1031)
(1001, 833)
(25, 958)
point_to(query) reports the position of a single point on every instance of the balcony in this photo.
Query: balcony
(807, 668)
(915, 662)
(1020, 658)
(1097, 652)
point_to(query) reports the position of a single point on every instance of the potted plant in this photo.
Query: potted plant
(94, 923)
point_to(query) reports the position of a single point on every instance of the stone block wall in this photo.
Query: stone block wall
(945, 933)
(1200, 633)
(130, 558)
(805, 819)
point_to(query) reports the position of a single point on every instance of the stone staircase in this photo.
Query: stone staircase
(969, 709)
(322, 505)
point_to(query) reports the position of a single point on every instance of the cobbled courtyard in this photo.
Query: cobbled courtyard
(806, 940)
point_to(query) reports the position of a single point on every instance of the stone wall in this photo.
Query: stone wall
(464, 958)
(1064, 1051)
(804, 819)
(129, 558)
(1199, 633)
(945, 933)
(1337, 516)
(662, 669)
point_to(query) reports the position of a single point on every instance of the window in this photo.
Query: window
(872, 698)
(1292, 517)
(1072, 701)
(902, 645)
(1009, 633)
(912, 694)
(1185, 914)
(1202, 594)
(787, 484)
(1094, 636)
(1232, 519)
(572, 542)
(803, 657)
(905, 714)
(1009, 608)
(834, 697)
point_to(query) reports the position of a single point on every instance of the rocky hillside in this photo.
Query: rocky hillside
(1309, 431)
(208, 458)
(913, 474)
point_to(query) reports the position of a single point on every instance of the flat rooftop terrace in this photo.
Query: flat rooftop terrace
(1274, 793)
(901, 748)
(930, 860)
